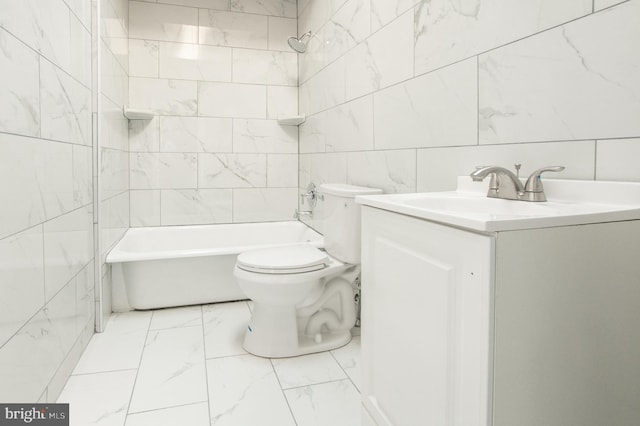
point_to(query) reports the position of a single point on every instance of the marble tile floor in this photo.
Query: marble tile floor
(186, 367)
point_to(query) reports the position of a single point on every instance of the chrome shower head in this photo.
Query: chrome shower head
(297, 43)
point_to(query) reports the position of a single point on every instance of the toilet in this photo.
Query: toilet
(303, 296)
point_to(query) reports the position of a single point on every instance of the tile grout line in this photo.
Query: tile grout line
(204, 355)
(135, 381)
(275, 373)
(345, 371)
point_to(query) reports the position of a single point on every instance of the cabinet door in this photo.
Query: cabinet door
(425, 321)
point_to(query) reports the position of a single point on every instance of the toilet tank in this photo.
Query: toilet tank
(341, 225)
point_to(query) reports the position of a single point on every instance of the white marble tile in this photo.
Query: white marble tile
(144, 58)
(313, 134)
(232, 100)
(114, 220)
(85, 302)
(206, 4)
(383, 59)
(195, 62)
(21, 280)
(334, 403)
(80, 47)
(172, 370)
(258, 205)
(113, 78)
(313, 59)
(42, 25)
(119, 347)
(31, 357)
(392, 171)
(323, 168)
(162, 22)
(68, 247)
(349, 127)
(244, 390)
(325, 90)
(436, 109)
(195, 134)
(144, 135)
(99, 399)
(187, 316)
(19, 87)
(225, 325)
(114, 172)
(602, 4)
(233, 29)
(447, 32)
(82, 10)
(282, 170)
(385, 11)
(195, 206)
(348, 27)
(232, 170)
(314, 16)
(114, 126)
(145, 207)
(65, 106)
(307, 370)
(163, 170)
(170, 97)
(45, 172)
(266, 7)
(578, 81)
(265, 67)
(438, 168)
(264, 136)
(280, 29)
(282, 101)
(348, 357)
(82, 175)
(617, 160)
(192, 415)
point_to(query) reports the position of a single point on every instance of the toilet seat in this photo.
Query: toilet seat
(283, 260)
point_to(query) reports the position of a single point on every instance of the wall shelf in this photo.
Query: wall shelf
(292, 120)
(138, 114)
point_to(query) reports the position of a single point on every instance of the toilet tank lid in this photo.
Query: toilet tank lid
(347, 191)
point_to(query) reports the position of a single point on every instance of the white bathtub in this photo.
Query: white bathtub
(187, 265)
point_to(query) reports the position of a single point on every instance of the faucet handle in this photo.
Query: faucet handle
(534, 183)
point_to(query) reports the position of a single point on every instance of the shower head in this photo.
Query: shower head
(298, 44)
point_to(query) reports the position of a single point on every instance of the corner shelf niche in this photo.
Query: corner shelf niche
(137, 114)
(292, 120)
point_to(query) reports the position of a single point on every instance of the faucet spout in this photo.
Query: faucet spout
(505, 185)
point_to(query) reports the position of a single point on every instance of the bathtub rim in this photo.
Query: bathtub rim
(117, 255)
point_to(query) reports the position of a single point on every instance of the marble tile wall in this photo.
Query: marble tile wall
(112, 170)
(217, 74)
(406, 95)
(46, 192)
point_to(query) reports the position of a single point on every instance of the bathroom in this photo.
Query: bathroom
(399, 95)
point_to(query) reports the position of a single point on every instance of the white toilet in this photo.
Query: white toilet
(304, 297)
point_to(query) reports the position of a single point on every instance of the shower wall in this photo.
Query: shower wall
(46, 193)
(112, 175)
(216, 74)
(406, 95)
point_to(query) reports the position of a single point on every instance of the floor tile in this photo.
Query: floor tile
(243, 391)
(186, 316)
(119, 347)
(334, 403)
(349, 359)
(191, 415)
(172, 371)
(307, 370)
(98, 399)
(224, 328)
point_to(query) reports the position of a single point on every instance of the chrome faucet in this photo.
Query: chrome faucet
(505, 184)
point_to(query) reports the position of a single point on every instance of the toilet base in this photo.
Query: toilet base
(277, 334)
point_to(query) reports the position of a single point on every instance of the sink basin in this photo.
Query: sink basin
(569, 203)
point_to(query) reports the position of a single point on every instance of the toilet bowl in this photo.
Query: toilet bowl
(303, 296)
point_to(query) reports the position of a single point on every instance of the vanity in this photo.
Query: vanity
(479, 311)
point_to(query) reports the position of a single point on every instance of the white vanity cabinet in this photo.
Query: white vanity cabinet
(512, 328)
